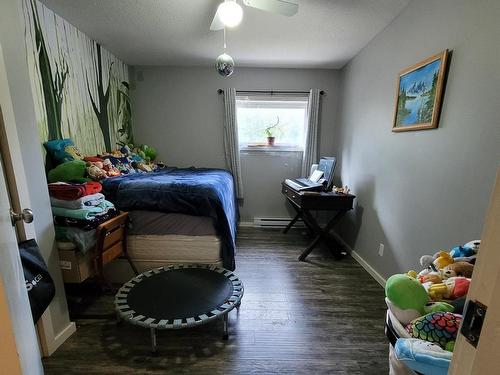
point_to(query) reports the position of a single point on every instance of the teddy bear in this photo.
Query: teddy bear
(463, 269)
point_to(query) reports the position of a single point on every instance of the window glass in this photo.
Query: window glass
(263, 116)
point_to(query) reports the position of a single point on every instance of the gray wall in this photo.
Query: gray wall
(178, 111)
(418, 192)
(13, 45)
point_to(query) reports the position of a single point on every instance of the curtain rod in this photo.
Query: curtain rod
(220, 92)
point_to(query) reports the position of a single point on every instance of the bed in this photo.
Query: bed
(178, 215)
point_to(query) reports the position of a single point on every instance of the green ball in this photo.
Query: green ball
(406, 292)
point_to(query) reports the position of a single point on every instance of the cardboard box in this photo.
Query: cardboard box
(75, 266)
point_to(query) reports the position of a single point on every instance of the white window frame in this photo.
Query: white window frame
(270, 97)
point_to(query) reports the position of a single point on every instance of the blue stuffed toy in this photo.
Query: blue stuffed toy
(462, 251)
(423, 356)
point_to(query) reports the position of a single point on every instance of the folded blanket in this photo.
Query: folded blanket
(85, 201)
(62, 190)
(65, 191)
(86, 213)
(85, 224)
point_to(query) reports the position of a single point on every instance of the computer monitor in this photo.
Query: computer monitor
(327, 165)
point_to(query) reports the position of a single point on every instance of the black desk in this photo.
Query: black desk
(305, 202)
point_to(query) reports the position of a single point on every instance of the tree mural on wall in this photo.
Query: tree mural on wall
(102, 98)
(52, 85)
(125, 113)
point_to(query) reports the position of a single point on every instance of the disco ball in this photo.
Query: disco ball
(224, 65)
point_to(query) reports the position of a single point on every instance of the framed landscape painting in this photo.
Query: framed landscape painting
(419, 94)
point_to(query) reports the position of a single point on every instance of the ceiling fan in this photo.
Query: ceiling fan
(229, 13)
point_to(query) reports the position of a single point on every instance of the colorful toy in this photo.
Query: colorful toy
(110, 169)
(405, 292)
(444, 259)
(412, 273)
(451, 288)
(432, 277)
(463, 269)
(423, 356)
(474, 244)
(149, 152)
(426, 261)
(440, 328)
(95, 170)
(462, 251)
(407, 298)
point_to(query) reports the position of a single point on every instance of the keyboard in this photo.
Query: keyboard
(303, 184)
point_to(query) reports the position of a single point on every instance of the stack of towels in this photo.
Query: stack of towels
(78, 209)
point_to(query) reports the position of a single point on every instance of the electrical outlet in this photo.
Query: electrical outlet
(381, 249)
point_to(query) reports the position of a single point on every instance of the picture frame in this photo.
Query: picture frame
(419, 94)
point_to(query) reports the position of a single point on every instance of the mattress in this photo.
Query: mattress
(174, 248)
(152, 251)
(161, 223)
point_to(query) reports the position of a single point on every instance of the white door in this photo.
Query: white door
(12, 276)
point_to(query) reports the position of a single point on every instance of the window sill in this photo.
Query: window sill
(269, 149)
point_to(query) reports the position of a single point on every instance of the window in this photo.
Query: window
(262, 116)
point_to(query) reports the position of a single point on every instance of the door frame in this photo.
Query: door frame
(485, 289)
(11, 150)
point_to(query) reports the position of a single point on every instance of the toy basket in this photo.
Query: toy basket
(394, 330)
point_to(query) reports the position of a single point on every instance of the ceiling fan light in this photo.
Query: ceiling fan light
(230, 13)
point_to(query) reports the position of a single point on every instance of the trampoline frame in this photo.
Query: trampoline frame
(125, 313)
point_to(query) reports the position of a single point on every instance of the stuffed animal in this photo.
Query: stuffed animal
(443, 260)
(440, 328)
(462, 251)
(450, 289)
(457, 269)
(95, 170)
(423, 356)
(412, 273)
(405, 292)
(475, 244)
(407, 298)
(110, 169)
(432, 277)
(426, 261)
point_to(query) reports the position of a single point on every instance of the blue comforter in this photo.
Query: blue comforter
(192, 191)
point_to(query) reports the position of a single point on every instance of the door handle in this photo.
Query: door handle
(26, 215)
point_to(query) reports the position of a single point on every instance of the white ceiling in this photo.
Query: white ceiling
(324, 33)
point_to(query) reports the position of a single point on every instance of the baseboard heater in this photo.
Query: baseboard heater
(275, 222)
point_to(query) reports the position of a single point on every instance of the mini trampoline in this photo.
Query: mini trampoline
(179, 296)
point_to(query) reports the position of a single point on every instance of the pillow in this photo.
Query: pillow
(62, 150)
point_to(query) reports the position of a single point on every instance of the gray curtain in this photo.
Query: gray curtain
(231, 144)
(311, 146)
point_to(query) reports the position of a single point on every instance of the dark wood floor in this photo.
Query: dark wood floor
(319, 317)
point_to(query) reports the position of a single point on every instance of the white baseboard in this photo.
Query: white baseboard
(378, 277)
(363, 263)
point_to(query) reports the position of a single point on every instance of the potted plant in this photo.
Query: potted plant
(270, 132)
